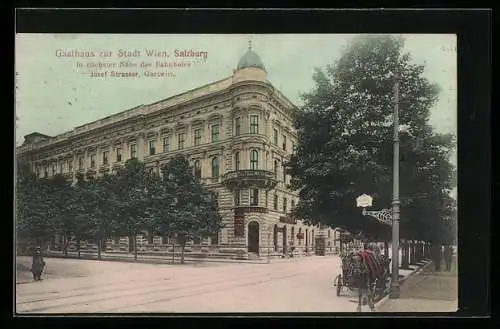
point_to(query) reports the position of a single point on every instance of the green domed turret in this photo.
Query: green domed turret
(250, 59)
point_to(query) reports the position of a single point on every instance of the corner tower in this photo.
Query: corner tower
(250, 67)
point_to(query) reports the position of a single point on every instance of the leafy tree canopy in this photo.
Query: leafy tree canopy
(345, 136)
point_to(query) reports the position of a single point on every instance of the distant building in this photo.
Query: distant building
(237, 133)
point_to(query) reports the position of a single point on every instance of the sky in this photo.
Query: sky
(53, 95)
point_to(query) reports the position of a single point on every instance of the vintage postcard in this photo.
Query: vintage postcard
(167, 173)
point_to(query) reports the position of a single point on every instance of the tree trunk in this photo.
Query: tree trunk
(99, 242)
(183, 245)
(135, 247)
(65, 244)
(78, 247)
(173, 253)
(150, 236)
(130, 243)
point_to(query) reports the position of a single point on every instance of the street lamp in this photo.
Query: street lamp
(395, 198)
(386, 216)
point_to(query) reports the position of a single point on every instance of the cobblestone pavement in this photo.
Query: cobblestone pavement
(428, 291)
(289, 285)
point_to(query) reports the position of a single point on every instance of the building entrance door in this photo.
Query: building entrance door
(253, 237)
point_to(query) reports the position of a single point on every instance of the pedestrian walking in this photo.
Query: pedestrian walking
(437, 257)
(448, 256)
(38, 264)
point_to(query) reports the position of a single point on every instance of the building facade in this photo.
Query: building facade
(237, 133)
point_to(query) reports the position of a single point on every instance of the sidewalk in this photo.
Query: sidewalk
(154, 259)
(428, 291)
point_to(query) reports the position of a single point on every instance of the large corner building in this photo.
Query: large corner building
(237, 133)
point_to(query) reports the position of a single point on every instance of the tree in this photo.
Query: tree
(345, 138)
(132, 199)
(33, 221)
(194, 212)
(60, 198)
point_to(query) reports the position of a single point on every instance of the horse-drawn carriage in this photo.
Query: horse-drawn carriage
(365, 271)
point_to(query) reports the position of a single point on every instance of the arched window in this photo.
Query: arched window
(237, 161)
(254, 160)
(197, 169)
(215, 167)
(276, 165)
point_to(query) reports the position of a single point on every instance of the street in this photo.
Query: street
(285, 285)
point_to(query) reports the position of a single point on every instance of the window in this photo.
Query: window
(237, 197)
(215, 133)
(284, 205)
(284, 143)
(254, 197)
(92, 161)
(53, 170)
(180, 141)
(80, 163)
(197, 136)
(152, 148)
(237, 126)
(267, 199)
(118, 154)
(275, 206)
(37, 172)
(60, 167)
(166, 144)
(46, 172)
(70, 165)
(237, 161)
(197, 169)
(275, 136)
(276, 165)
(293, 205)
(215, 167)
(105, 157)
(254, 124)
(254, 160)
(133, 151)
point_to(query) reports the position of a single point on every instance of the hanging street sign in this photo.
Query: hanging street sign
(364, 201)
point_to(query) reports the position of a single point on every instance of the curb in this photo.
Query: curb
(166, 261)
(401, 281)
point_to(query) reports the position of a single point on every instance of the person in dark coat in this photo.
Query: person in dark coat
(38, 264)
(438, 256)
(448, 255)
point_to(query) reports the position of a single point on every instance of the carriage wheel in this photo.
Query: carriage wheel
(339, 284)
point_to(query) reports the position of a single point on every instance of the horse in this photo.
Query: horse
(367, 269)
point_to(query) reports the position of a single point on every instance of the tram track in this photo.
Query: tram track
(87, 300)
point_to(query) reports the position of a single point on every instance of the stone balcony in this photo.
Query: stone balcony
(249, 178)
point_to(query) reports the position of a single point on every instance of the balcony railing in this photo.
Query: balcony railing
(249, 178)
(241, 210)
